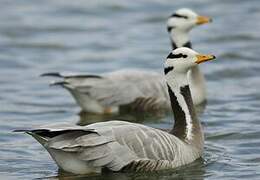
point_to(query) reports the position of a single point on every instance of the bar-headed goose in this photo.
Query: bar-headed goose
(138, 90)
(125, 146)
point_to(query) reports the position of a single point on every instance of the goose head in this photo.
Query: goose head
(180, 60)
(185, 19)
(180, 23)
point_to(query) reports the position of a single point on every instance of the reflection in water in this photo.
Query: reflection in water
(156, 117)
(88, 118)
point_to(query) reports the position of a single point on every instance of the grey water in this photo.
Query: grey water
(101, 36)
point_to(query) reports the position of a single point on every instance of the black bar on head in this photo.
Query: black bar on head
(174, 56)
(179, 16)
(168, 69)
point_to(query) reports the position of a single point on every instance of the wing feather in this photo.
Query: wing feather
(119, 88)
(116, 144)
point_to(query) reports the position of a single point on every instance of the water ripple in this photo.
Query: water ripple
(100, 36)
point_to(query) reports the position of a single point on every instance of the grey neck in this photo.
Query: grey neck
(197, 84)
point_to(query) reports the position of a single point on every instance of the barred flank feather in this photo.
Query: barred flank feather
(147, 166)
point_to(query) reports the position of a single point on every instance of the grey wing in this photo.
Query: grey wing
(110, 92)
(88, 145)
(96, 150)
(138, 142)
(122, 87)
(114, 144)
(151, 84)
(119, 87)
(109, 89)
(144, 141)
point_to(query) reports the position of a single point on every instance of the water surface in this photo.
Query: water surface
(102, 36)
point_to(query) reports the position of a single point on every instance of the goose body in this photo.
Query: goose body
(116, 145)
(138, 90)
(125, 146)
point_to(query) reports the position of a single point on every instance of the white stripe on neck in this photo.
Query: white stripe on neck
(179, 37)
(175, 85)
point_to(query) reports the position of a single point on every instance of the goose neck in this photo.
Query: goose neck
(187, 126)
(179, 38)
(197, 84)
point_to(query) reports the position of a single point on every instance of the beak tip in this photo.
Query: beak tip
(203, 20)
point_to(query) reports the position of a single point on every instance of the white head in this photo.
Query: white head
(185, 19)
(180, 60)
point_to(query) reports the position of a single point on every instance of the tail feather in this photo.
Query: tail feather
(59, 83)
(57, 74)
(20, 130)
(94, 150)
(84, 76)
(54, 74)
(40, 139)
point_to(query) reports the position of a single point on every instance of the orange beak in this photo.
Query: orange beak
(203, 58)
(203, 20)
